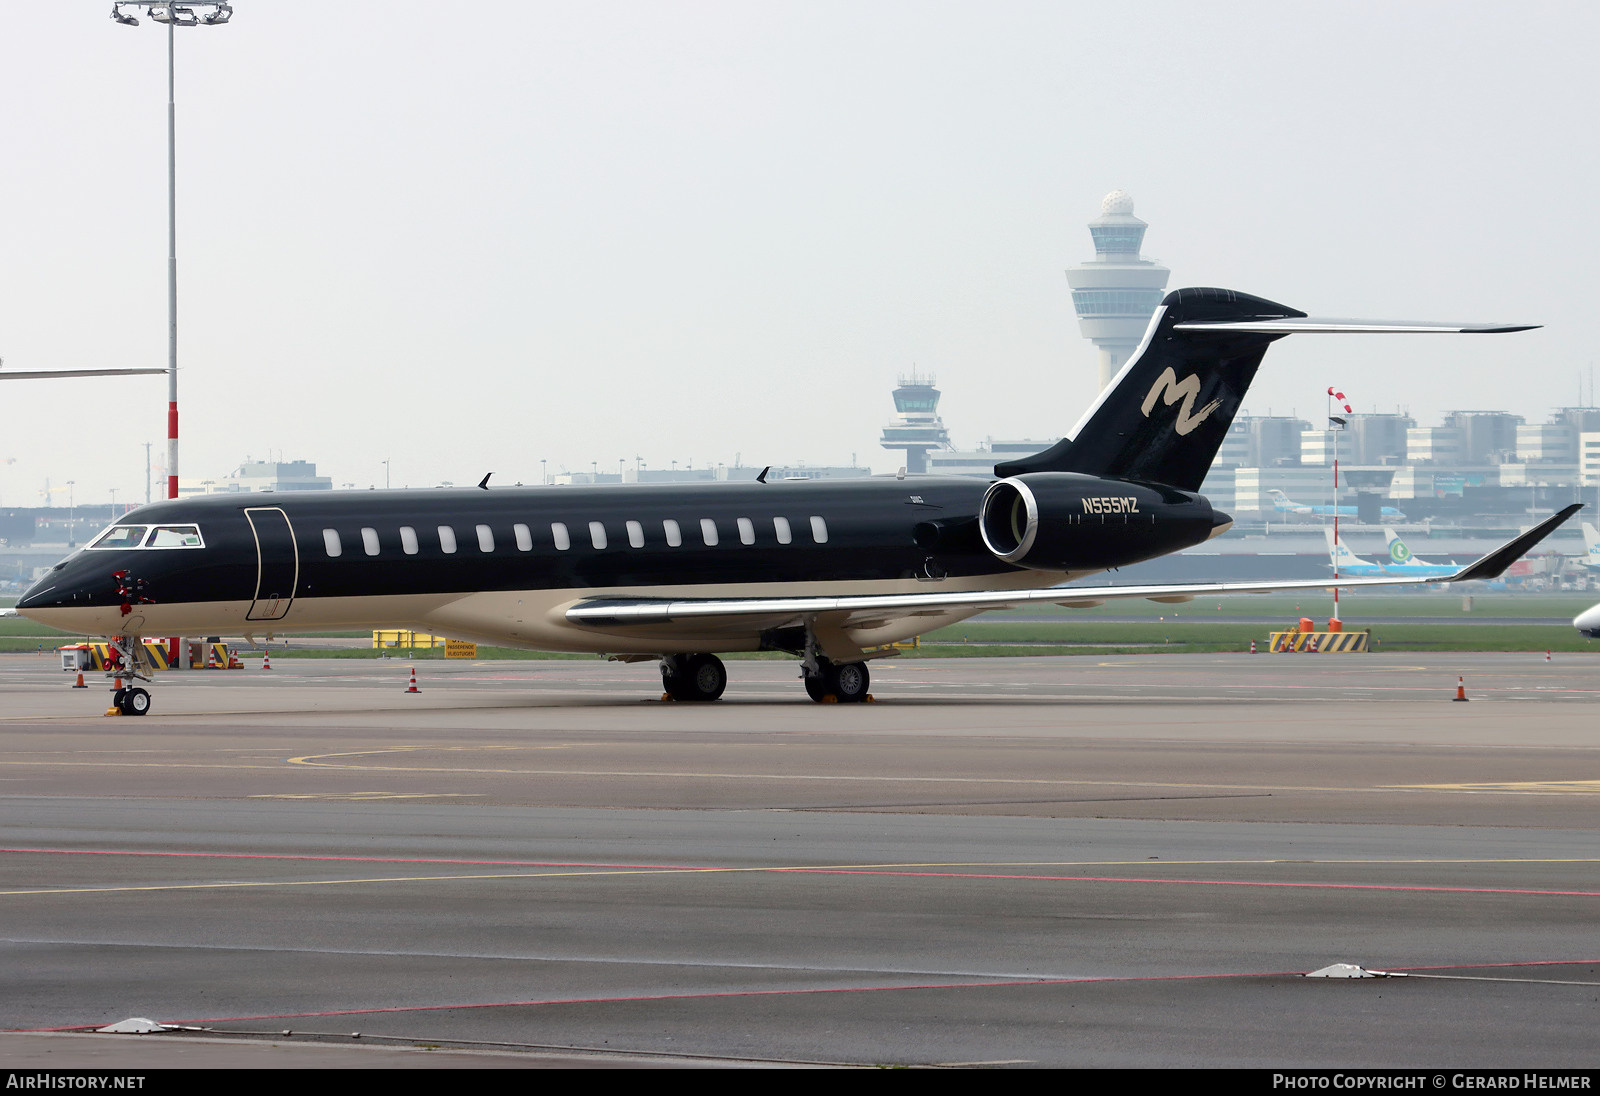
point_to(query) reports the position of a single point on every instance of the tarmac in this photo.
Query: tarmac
(1065, 861)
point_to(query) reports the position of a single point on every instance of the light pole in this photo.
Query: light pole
(174, 16)
(1335, 425)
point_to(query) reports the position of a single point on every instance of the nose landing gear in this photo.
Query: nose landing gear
(131, 701)
(122, 662)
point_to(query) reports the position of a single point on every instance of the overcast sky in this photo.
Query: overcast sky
(469, 237)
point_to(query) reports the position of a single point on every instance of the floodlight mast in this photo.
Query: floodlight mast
(173, 15)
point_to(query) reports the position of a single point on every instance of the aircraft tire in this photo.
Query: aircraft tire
(850, 682)
(845, 682)
(118, 698)
(698, 678)
(816, 686)
(136, 702)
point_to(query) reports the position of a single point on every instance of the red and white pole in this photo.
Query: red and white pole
(1332, 395)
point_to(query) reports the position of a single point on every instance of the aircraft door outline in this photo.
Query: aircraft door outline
(277, 563)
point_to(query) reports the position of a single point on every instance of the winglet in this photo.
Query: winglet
(484, 482)
(1493, 564)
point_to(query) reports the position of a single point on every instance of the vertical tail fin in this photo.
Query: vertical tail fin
(1165, 414)
(1399, 554)
(1591, 544)
(1340, 555)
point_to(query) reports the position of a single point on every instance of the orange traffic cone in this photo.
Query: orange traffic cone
(80, 684)
(412, 688)
(266, 660)
(1461, 688)
(1547, 656)
(1252, 646)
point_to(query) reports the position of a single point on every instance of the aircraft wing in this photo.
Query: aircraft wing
(865, 610)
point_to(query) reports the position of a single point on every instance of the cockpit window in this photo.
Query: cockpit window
(120, 536)
(174, 536)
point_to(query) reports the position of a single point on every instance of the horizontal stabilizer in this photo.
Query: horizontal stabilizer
(1327, 325)
(43, 374)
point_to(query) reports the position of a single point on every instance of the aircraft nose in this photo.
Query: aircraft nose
(1588, 622)
(34, 597)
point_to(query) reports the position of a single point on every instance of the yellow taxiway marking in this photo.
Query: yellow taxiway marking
(1561, 787)
(979, 867)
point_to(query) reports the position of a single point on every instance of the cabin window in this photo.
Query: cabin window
(780, 526)
(597, 534)
(674, 534)
(747, 531)
(408, 540)
(558, 532)
(524, 538)
(485, 539)
(174, 536)
(369, 541)
(447, 540)
(635, 534)
(708, 532)
(330, 541)
(819, 530)
(120, 536)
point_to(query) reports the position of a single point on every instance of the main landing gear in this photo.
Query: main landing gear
(843, 682)
(698, 677)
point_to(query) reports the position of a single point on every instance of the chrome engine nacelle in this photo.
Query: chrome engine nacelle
(1066, 521)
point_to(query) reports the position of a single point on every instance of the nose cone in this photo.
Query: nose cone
(34, 596)
(1588, 622)
(74, 595)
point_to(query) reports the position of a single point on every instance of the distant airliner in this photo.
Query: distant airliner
(1591, 546)
(831, 573)
(1287, 505)
(1346, 562)
(1402, 562)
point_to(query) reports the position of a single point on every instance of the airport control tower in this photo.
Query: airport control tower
(917, 427)
(1116, 292)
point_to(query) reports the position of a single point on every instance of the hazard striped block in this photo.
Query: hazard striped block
(1322, 643)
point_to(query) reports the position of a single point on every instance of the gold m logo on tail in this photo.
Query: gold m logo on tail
(1170, 390)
